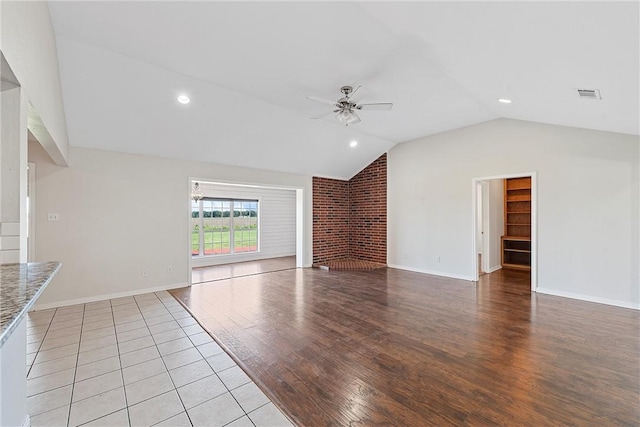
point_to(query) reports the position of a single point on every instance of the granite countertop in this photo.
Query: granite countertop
(20, 286)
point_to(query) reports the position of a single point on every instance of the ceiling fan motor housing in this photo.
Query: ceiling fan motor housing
(346, 90)
(345, 104)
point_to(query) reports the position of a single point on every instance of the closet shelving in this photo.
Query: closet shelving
(516, 242)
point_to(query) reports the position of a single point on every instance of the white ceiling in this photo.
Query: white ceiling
(248, 68)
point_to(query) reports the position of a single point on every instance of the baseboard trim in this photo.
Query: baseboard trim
(495, 268)
(589, 298)
(95, 298)
(432, 272)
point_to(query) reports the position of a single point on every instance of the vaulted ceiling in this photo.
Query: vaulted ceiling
(248, 68)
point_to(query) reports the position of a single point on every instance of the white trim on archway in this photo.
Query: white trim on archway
(534, 223)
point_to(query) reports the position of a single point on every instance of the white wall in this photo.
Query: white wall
(13, 176)
(121, 213)
(29, 45)
(588, 198)
(277, 229)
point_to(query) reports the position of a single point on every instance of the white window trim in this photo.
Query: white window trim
(201, 254)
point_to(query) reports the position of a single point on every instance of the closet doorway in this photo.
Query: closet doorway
(505, 224)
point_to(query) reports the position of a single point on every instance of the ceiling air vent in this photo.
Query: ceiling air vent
(589, 93)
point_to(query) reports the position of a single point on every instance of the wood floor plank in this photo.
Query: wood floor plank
(391, 347)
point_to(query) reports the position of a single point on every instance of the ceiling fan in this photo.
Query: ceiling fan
(345, 108)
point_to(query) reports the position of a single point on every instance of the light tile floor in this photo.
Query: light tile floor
(135, 361)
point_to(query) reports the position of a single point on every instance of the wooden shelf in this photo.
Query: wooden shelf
(516, 242)
(516, 253)
(516, 266)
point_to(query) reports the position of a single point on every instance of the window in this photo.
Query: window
(223, 226)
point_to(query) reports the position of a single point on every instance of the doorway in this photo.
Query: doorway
(489, 224)
(238, 229)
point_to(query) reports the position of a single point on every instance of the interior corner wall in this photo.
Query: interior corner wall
(588, 204)
(122, 213)
(330, 219)
(368, 213)
(28, 43)
(350, 217)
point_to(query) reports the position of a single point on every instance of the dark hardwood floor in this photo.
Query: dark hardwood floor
(391, 347)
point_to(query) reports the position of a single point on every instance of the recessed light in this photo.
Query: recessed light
(353, 144)
(184, 99)
(504, 100)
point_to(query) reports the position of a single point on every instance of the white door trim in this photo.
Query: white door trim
(486, 239)
(534, 222)
(31, 194)
(299, 227)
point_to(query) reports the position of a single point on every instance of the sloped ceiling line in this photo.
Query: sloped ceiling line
(248, 68)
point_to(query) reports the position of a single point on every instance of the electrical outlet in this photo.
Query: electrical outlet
(53, 216)
(170, 269)
(438, 259)
(145, 273)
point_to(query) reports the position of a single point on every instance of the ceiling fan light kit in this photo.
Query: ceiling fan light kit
(346, 109)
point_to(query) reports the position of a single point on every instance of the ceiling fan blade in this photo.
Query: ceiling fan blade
(375, 106)
(319, 116)
(323, 100)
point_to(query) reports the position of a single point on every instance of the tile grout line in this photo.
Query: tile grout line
(41, 342)
(124, 388)
(167, 368)
(76, 354)
(105, 391)
(233, 357)
(144, 319)
(75, 371)
(166, 306)
(36, 356)
(121, 373)
(215, 373)
(89, 397)
(52, 348)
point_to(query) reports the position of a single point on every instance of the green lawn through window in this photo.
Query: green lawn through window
(217, 242)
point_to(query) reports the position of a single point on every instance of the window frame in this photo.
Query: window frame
(201, 232)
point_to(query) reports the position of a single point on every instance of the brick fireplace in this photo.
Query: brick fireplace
(350, 218)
